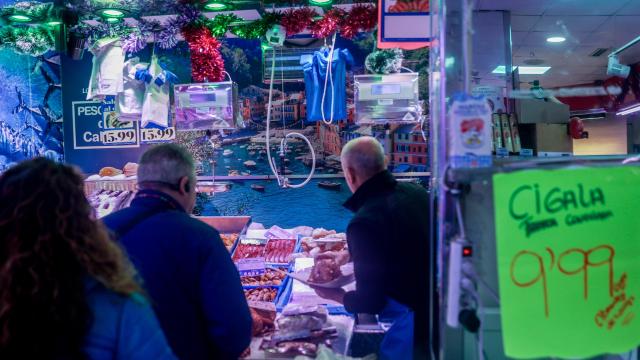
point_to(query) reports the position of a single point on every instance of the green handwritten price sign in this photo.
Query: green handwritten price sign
(568, 244)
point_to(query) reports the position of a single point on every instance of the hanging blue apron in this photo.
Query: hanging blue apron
(397, 343)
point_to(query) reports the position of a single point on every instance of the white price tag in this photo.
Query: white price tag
(157, 135)
(251, 266)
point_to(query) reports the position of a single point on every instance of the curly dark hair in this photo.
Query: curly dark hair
(50, 245)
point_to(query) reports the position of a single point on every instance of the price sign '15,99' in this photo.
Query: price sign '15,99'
(567, 243)
(152, 135)
(118, 136)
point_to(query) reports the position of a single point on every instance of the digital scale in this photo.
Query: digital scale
(206, 106)
(384, 99)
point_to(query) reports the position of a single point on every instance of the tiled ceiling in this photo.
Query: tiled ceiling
(587, 25)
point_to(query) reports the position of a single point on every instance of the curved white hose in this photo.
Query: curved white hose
(282, 180)
(313, 159)
(329, 75)
(269, 159)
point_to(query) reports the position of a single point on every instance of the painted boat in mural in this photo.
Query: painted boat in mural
(227, 152)
(257, 187)
(250, 164)
(329, 185)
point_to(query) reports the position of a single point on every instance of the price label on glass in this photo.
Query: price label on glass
(124, 136)
(156, 135)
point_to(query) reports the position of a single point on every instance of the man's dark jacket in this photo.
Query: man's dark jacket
(189, 276)
(388, 240)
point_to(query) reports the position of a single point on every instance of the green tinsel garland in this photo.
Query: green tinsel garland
(256, 29)
(384, 61)
(220, 24)
(32, 40)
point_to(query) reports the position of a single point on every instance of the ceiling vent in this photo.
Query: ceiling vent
(599, 52)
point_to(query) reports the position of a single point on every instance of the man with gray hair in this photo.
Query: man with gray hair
(388, 240)
(186, 269)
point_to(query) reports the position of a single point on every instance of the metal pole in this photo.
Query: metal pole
(450, 65)
(625, 47)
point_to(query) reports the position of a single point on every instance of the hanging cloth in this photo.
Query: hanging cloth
(106, 72)
(129, 102)
(315, 72)
(155, 108)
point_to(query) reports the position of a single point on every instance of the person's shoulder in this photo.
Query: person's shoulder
(193, 225)
(412, 187)
(115, 218)
(100, 298)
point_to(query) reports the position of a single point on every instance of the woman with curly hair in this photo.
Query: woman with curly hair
(66, 290)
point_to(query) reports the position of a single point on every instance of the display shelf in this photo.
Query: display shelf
(205, 185)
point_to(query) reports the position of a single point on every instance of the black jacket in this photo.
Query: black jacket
(388, 240)
(193, 284)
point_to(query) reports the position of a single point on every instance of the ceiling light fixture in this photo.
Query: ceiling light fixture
(321, 2)
(523, 70)
(54, 23)
(111, 13)
(556, 39)
(533, 70)
(502, 69)
(20, 18)
(629, 110)
(215, 6)
(112, 20)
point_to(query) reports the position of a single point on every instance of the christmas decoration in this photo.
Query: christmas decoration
(189, 15)
(384, 61)
(220, 24)
(257, 29)
(297, 20)
(134, 42)
(360, 18)
(34, 10)
(168, 37)
(100, 31)
(33, 40)
(206, 61)
(329, 23)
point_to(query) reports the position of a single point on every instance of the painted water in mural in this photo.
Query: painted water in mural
(406, 146)
(30, 107)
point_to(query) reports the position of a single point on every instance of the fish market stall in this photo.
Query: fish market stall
(262, 94)
(289, 318)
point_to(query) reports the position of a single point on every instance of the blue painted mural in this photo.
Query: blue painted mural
(30, 108)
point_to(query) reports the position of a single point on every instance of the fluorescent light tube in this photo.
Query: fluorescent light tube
(629, 110)
(523, 70)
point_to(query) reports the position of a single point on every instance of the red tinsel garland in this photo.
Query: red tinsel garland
(206, 60)
(360, 18)
(297, 20)
(329, 23)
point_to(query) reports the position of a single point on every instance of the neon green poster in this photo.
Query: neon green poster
(568, 244)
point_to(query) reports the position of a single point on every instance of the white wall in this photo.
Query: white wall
(606, 137)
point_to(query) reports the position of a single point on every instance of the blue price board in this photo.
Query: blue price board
(96, 126)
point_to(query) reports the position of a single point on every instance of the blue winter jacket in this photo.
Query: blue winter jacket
(123, 328)
(187, 271)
